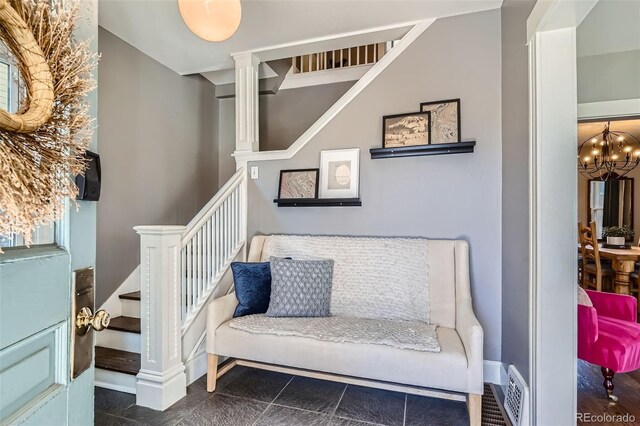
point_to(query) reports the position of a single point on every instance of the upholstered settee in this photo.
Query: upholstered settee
(369, 280)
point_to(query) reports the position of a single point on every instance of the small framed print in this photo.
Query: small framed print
(301, 183)
(410, 129)
(445, 120)
(339, 173)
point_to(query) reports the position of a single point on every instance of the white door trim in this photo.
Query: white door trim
(552, 226)
(609, 109)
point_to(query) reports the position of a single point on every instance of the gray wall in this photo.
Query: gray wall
(226, 140)
(289, 113)
(158, 151)
(515, 185)
(451, 196)
(609, 76)
(283, 118)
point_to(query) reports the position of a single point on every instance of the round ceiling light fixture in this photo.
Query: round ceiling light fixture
(211, 20)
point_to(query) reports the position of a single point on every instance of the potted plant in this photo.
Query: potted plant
(617, 235)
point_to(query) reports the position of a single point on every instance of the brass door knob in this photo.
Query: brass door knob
(85, 318)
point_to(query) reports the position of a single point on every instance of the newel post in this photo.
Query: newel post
(162, 380)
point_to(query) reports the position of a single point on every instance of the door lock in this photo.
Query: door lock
(84, 321)
(85, 318)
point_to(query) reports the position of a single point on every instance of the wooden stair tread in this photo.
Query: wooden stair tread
(118, 361)
(126, 324)
(134, 295)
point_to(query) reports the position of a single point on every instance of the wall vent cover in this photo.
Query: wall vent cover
(516, 401)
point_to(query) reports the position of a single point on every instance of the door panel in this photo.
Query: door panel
(35, 291)
(34, 330)
(28, 369)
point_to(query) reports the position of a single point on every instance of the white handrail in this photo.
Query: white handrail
(243, 157)
(212, 205)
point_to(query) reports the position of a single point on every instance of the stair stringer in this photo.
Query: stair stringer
(193, 335)
(242, 157)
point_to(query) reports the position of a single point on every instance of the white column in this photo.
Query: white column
(162, 380)
(553, 229)
(247, 91)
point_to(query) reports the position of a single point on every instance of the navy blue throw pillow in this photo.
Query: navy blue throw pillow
(253, 287)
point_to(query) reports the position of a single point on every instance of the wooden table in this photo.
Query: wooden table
(623, 262)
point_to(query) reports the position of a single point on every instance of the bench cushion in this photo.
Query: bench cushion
(444, 370)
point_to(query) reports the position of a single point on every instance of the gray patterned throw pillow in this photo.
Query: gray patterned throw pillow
(300, 288)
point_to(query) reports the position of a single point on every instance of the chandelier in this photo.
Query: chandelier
(608, 155)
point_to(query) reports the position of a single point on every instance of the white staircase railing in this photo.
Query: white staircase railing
(342, 58)
(212, 240)
(180, 267)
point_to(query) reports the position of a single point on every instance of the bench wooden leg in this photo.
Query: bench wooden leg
(212, 372)
(474, 404)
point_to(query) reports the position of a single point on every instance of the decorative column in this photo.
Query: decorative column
(247, 122)
(247, 91)
(162, 380)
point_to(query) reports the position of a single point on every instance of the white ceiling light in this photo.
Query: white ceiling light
(211, 20)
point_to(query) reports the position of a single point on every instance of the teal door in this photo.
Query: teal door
(35, 327)
(36, 301)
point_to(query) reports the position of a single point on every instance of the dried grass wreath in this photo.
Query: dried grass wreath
(42, 145)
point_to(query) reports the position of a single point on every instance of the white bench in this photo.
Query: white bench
(454, 373)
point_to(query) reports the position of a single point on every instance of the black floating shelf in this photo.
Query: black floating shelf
(415, 151)
(318, 202)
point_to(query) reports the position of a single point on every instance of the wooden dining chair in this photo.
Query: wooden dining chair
(594, 271)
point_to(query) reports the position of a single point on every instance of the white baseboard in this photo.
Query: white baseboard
(196, 367)
(494, 372)
(115, 381)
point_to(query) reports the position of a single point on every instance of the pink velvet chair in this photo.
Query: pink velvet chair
(609, 335)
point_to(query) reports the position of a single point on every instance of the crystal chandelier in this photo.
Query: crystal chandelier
(608, 155)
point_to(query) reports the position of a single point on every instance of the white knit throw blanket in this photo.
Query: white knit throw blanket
(415, 335)
(373, 277)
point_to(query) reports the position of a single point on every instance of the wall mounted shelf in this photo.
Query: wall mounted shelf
(318, 202)
(415, 151)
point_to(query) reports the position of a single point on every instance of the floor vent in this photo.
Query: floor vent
(492, 413)
(517, 399)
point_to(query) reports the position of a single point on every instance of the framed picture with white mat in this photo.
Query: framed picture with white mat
(339, 173)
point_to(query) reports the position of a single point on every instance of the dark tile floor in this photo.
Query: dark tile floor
(255, 397)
